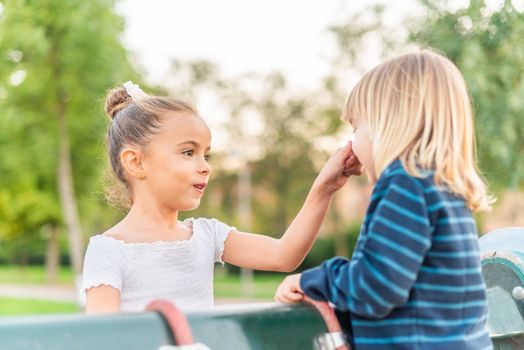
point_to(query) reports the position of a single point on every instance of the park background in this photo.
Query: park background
(270, 78)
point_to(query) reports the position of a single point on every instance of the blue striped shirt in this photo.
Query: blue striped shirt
(414, 281)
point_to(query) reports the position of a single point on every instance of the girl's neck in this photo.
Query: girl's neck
(150, 216)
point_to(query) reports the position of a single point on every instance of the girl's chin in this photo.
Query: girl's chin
(194, 206)
(189, 206)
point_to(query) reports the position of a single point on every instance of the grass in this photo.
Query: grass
(226, 286)
(13, 306)
(32, 275)
(230, 286)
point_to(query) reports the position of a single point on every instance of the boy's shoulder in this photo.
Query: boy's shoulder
(422, 185)
(396, 174)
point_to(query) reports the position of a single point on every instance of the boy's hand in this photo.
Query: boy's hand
(335, 173)
(289, 291)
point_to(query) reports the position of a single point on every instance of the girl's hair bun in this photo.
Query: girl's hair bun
(117, 99)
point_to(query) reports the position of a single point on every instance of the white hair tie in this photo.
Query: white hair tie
(134, 90)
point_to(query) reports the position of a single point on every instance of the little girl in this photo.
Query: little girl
(414, 281)
(158, 149)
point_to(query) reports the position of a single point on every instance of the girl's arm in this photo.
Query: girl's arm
(102, 299)
(285, 254)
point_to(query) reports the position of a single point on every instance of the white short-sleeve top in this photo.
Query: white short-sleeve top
(178, 271)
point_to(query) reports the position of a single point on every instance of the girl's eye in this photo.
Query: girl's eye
(207, 156)
(188, 152)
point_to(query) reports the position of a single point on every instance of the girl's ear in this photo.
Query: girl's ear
(131, 159)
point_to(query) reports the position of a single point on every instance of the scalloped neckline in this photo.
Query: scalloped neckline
(154, 243)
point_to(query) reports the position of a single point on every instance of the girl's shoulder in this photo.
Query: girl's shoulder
(113, 235)
(101, 243)
(105, 252)
(214, 232)
(209, 226)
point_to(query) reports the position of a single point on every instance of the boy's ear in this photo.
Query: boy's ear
(131, 159)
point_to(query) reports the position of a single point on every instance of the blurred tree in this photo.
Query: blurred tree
(362, 40)
(485, 41)
(57, 60)
(291, 123)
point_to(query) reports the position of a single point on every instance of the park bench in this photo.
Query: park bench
(502, 258)
(164, 327)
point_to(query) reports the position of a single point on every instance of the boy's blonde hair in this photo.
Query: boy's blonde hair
(418, 110)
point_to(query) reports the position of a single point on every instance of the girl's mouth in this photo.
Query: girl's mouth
(200, 186)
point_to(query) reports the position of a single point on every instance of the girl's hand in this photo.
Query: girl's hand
(341, 165)
(289, 291)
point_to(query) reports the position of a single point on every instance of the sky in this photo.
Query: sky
(241, 36)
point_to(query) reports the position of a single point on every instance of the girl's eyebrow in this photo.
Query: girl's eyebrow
(194, 143)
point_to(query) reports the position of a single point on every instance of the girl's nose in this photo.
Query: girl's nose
(205, 168)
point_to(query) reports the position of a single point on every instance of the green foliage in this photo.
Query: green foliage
(56, 57)
(486, 44)
(324, 247)
(23, 249)
(287, 168)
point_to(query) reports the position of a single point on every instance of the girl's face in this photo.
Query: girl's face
(176, 162)
(362, 146)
